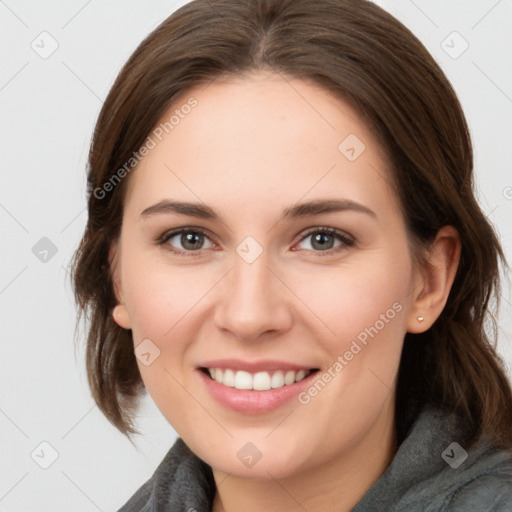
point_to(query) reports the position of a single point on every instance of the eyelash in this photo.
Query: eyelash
(347, 241)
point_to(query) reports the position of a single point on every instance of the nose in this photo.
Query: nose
(254, 302)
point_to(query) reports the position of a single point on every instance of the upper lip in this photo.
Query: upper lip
(254, 366)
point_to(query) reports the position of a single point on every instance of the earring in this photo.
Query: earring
(420, 319)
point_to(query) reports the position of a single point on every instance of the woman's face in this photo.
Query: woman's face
(257, 290)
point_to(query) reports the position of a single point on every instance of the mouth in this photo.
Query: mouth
(254, 387)
(257, 381)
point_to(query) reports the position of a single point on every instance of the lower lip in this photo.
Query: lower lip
(250, 401)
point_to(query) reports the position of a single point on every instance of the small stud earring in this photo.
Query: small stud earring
(420, 319)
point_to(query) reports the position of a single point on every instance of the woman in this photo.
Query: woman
(284, 249)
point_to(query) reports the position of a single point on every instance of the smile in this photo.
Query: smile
(259, 381)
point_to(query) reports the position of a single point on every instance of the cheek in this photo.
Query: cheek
(164, 302)
(365, 309)
(158, 296)
(359, 303)
(161, 305)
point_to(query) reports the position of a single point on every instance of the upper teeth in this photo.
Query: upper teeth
(259, 381)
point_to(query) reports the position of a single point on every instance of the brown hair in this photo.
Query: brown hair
(362, 54)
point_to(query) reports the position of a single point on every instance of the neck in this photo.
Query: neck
(338, 484)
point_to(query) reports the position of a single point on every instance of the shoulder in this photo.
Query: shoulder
(141, 499)
(437, 469)
(486, 491)
(181, 482)
(482, 483)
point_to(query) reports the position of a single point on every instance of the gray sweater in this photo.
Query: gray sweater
(428, 473)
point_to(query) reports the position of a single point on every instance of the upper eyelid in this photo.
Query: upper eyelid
(167, 235)
(329, 230)
(339, 234)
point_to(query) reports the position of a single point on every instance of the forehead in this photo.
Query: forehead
(260, 138)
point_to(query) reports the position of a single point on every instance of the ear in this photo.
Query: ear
(119, 313)
(434, 281)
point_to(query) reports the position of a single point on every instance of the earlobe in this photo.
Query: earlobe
(121, 316)
(436, 281)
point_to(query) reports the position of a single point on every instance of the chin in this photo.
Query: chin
(254, 460)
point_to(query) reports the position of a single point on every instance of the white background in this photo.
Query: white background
(49, 107)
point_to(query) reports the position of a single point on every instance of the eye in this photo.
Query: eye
(191, 240)
(324, 239)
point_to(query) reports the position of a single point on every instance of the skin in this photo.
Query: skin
(254, 146)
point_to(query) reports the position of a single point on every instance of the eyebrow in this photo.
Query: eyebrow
(308, 209)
